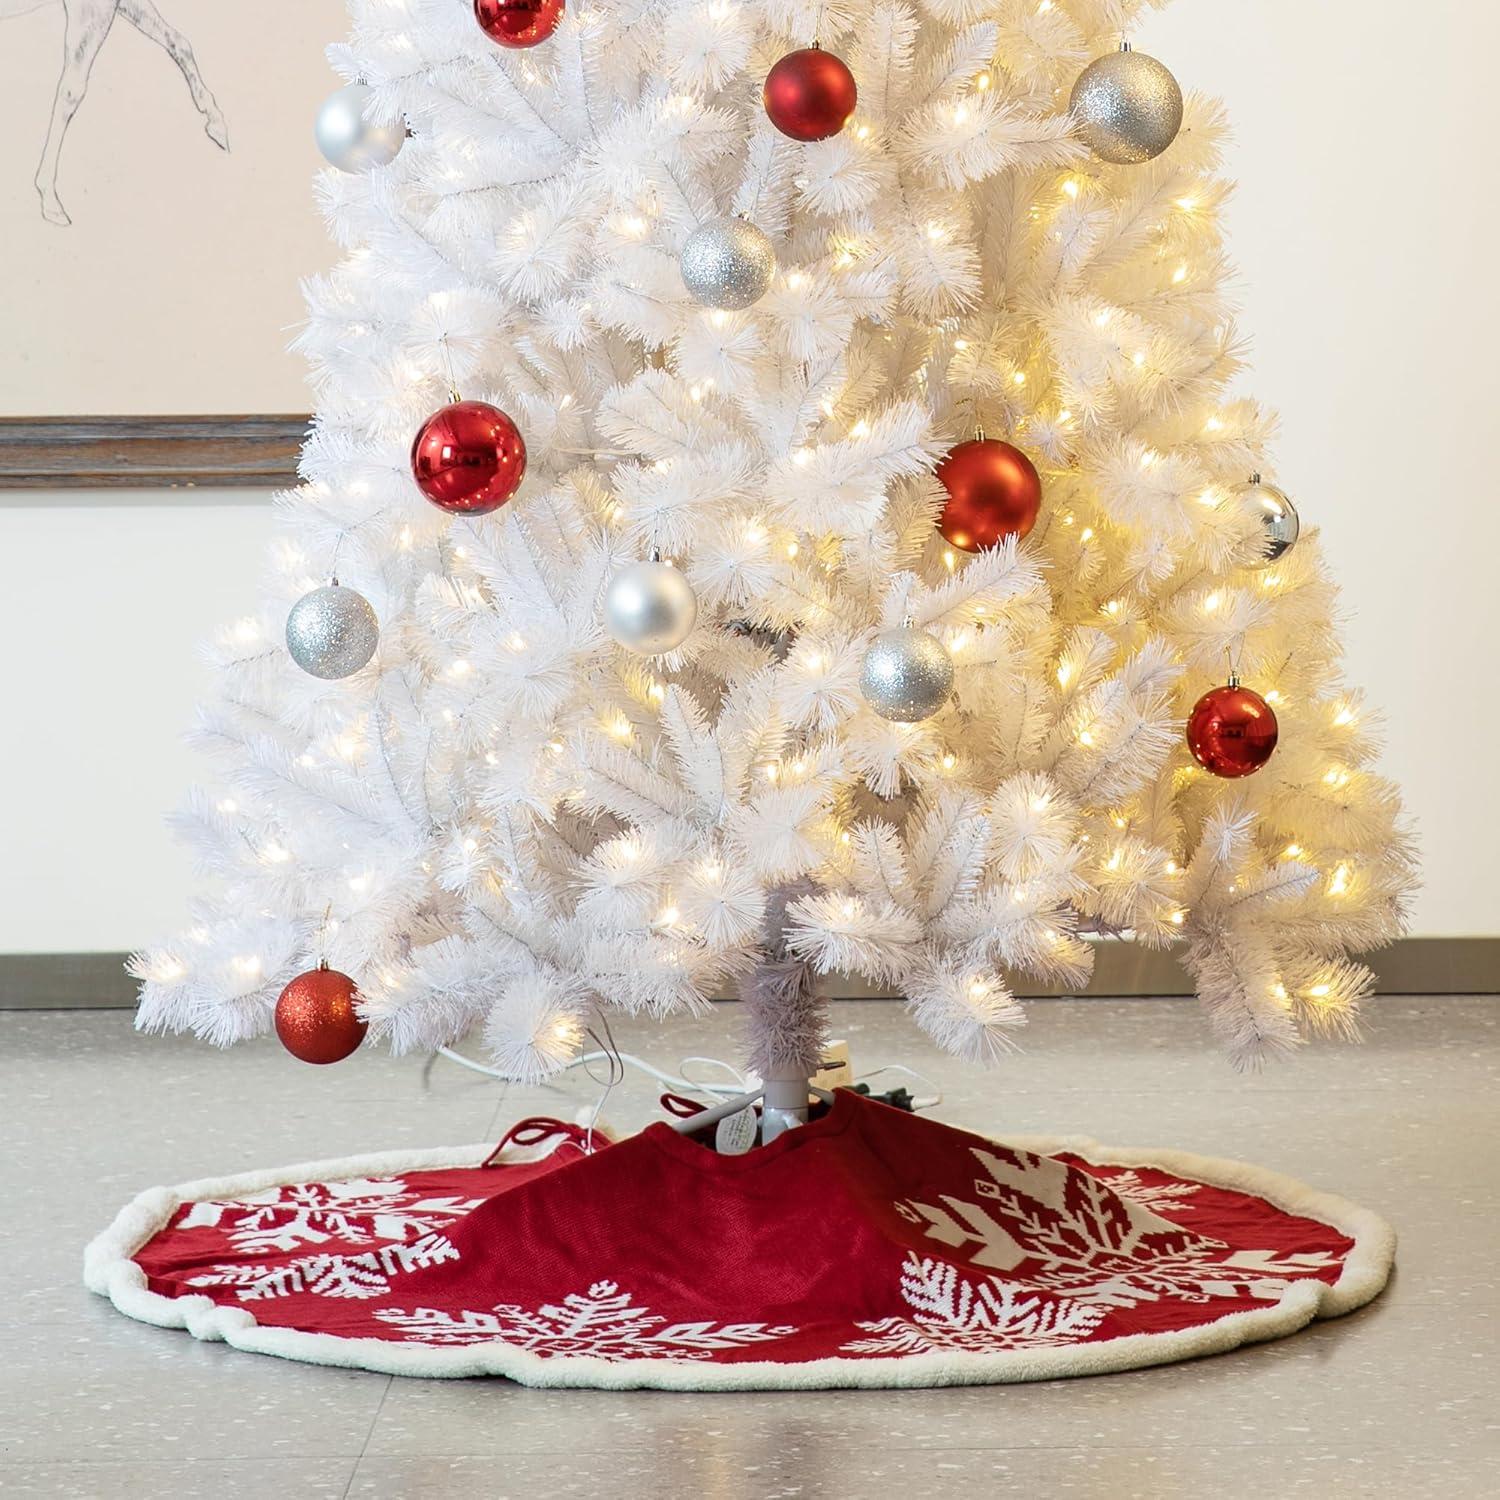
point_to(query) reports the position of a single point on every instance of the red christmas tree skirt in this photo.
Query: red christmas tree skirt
(869, 1248)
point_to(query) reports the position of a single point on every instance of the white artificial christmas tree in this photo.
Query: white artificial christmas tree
(507, 819)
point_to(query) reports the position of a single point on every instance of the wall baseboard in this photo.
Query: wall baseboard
(1414, 966)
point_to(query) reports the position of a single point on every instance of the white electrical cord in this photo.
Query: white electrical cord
(739, 1083)
(677, 1083)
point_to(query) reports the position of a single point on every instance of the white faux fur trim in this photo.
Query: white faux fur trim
(111, 1271)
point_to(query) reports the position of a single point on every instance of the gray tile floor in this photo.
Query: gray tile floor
(1400, 1399)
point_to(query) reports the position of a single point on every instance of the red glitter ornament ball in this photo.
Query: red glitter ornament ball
(1231, 730)
(518, 23)
(994, 491)
(810, 94)
(468, 458)
(315, 1016)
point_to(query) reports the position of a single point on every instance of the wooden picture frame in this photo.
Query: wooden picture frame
(182, 452)
(134, 293)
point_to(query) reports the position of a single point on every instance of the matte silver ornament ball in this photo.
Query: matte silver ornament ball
(1279, 526)
(649, 608)
(907, 674)
(727, 263)
(349, 140)
(332, 632)
(1128, 107)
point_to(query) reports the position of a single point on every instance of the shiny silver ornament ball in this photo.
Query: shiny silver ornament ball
(1128, 107)
(907, 674)
(351, 142)
(1279, 526)
(332, 632)
(650, 608)
(727, 263)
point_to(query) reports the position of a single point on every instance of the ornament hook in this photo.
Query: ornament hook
(453, 395)
(323, 936)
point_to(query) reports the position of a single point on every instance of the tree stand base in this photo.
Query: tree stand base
(870, 1247)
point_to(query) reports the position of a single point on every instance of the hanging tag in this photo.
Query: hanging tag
(735, 1134)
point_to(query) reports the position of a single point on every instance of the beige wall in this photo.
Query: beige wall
(1366, 247)
(102, 607)
(174, 289)
(1366, 253)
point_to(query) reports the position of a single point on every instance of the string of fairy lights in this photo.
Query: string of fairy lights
(469, 457)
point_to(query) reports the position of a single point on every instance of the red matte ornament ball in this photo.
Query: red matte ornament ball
(468, 458)
(315, 1016)
(1231, 731)
(810, 94)
(518, 23)
(994, 491)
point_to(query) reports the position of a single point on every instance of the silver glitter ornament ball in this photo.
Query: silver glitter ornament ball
(1279, 526)
(351, 142)
(332, 632)
(907, 674)
(727, 263)
(1128, 107)
(649, 608)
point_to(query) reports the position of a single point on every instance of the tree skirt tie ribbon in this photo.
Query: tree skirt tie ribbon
(871, 1247)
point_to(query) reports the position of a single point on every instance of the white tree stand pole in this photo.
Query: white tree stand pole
(784, 1104)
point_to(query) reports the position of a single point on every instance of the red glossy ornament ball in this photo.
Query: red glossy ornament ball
(315, 1016)
(810, 94)
(994, 491)
(518, 23)
(468, 458)
(1231, 731)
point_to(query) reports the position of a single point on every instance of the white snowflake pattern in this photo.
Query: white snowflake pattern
(953, 1311)
(367, 1274)
(602, 1323)
(1162, 1197)
(1085, 1241)
(359, 1211)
